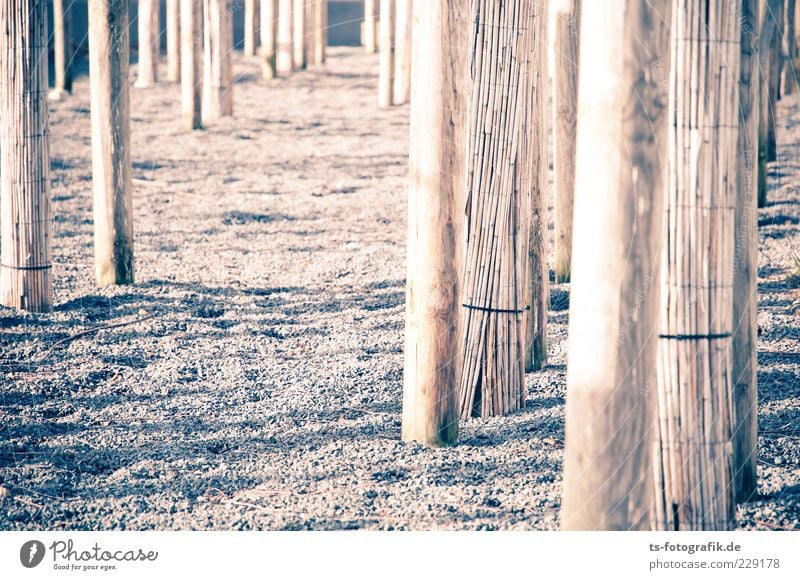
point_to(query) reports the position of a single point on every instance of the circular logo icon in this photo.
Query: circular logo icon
(31, 553)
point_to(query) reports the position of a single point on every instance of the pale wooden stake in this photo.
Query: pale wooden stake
(299, 34)
(565, 100)
(25, 222)
(269, 30)
(251, 33)
(692, 467)
(789, 82)
(191, 64)
(174, 41)
(745, 282)
(767, 32)
(149, 44)
(369, 30)
(436, 221)
(217, 68)
(402, 51)
(285, 60)
(111, 162)
(538, 274)
(386, 62)
(619, 189)
(320, 29)
(775, 67)
(62, 48)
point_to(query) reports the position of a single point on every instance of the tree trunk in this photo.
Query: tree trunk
(538, 275)
(370, 33)
(565, 100)
(174, 41)
(25, 222)
(495, 298)
(436, 220)
(386, 62)
(745, 289)
(111, 161)
(790, 50)
(620, 185)
(402, 52)
(285, 59)
(269, 21)
(217, 71)
(62, 48)
(299, 34)
(149, 44)
(191, 64)
(251, 18)
(694, 490)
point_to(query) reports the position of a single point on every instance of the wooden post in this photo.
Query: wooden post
(299, 34)
(789, 82)
(174, 41)
(191, 64)
(251, 33)
(619, 189)
(218, 69)
(500, 182)
(775, 67)
(436, 201)
(402, 51)
(111, 162)
(320, 31)
(369, 30)
(269, 21)
(149, 44)
(386, 62)
(25, 223)
(768, 30)
(694, 489)
(565, 101)
(62, 48)
(745, 263)
(538, 275)
(285, 59)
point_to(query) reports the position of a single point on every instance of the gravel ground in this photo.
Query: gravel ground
(262, 386)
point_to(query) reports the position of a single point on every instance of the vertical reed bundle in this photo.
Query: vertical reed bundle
(218, 68)
(111, 161)
(745, 263)
(692, 468)
(386, 62)
(285, 58)
(62, 48)
(299, 34)
(499, 207)
(251, 20)
(149, 43)
(538, 283)
(191, 64)
(369, 30)
(621, 181)
(402, 51)
(436, 200)
(565, 103)
(269, 31)
(174, 41)
(25, 223)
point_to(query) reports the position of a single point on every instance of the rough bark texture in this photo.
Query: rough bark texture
(435, 225)
(745, 263)
(218, 68)
(191, 64)
(620, 185)
(111, 162)
(25, 223)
